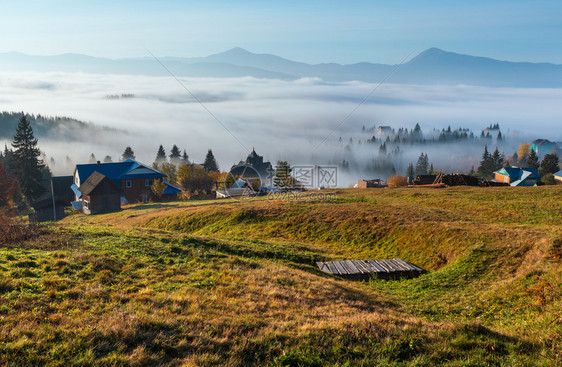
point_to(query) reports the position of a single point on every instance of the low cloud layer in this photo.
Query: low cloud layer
(281, 119)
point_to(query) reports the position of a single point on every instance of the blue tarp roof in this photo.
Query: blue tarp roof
(115, 171)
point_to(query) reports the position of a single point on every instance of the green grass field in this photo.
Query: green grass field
(214, 283)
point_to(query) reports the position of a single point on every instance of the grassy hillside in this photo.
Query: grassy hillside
(226, 283)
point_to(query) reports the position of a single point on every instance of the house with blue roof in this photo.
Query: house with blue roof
(516, 176)
(133, 179)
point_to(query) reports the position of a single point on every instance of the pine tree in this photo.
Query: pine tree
(486, 167)
(92, 159)
(107, 159)
(410, 172)
(533, 160)
(185, 158)
(499, 137)
(283, 176)
(498, 160)
(26, 166)
(175, 155)
(210, 163)
(422, 165)
(128, 154)
(549, 164)
(161, 155)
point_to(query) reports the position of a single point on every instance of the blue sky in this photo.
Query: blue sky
(309, 31)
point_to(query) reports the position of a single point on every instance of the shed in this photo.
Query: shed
(100, 194)
(63, 195)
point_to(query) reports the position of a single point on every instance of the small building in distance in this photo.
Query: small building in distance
(515, 176)
(543, 147)
(43, 207)
(100, 194)
(367, 184)
(558, 177)
(254, 166)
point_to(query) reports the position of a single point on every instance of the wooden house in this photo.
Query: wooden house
(367, 184)
(515, 176)
(558, 177)
(133, 179)
(100, 194)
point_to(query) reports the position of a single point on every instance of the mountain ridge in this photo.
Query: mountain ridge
(431, 66)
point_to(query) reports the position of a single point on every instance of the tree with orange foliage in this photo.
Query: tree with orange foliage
(397, 181)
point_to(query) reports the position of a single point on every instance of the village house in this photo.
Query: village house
(558, 177)
(130, 180)
(543, 147)
(254, 166)
(515, 176)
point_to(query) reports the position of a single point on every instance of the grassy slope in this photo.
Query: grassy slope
(235, 283)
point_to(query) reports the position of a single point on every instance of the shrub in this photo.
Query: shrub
(548, 179)
(397, 181)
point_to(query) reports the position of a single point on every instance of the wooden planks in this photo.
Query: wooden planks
(364, 269)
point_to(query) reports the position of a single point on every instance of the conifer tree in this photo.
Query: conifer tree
(549, 164)
(185, 157)
(210, 163)
(533, 160)
(486, 167)
(92, 159)
(128, 154)
(175, 154)
(422, 165)
(25, 165)
(107, 159)
(410, 172)
(283, 176)
(160, 155)
(498, 160)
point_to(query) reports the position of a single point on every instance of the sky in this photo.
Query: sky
(308, 31)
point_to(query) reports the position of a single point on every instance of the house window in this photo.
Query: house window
(148, 182)
(86, 205)
(128, 184)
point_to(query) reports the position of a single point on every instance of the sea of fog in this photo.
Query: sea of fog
(283, 120)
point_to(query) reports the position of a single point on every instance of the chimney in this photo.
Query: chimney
(98, 162)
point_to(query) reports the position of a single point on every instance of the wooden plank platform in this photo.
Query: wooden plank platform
(365, 269)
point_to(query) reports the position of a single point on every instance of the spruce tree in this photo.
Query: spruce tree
(498, 160)
(210, 163)
(283, 176)
(128, 154)
(175, 154)
(25, 165)
(161, 155)
(92, 159)
(185, 158)
(107, 159)
(422, 165)
(486, 167)
(410, 172)
(533, 160)
(549, 164)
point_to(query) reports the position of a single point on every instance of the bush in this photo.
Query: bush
(14, 230)
(548, 179)
(397, 181)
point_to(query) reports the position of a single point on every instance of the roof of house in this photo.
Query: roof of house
(117, 171)
(170, 189)
(92, 182)
(559, 173)
(540, 142)
(518, 173)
